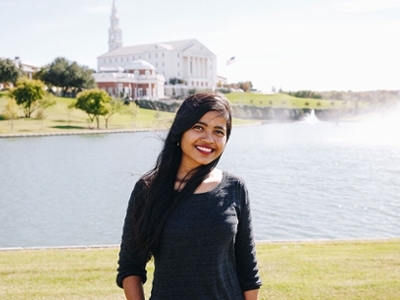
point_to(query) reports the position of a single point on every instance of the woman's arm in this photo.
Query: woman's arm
(130, 262)
(245, 251)
(133, 288)
(251, 295)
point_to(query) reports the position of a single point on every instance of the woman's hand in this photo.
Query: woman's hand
(251, 295)
(133, 288)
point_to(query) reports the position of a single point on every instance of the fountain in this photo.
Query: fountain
(310, 117)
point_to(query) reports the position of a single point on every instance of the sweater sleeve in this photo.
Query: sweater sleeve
(245, 251)
(129, 262)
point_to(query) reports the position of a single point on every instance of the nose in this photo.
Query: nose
(207, 137)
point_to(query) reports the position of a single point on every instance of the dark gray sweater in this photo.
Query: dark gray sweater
(206, 249)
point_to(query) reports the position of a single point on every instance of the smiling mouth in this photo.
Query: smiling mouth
(204, 149)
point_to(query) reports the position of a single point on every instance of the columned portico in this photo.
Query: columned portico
(137, 80)
(189, 66)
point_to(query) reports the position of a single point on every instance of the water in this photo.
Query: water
(306, 180)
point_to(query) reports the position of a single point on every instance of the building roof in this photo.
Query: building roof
(113, 77)
(140, 64)
(138, 49)
(126, 77)
(111, 69)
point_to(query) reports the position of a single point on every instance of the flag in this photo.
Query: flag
(230, 61)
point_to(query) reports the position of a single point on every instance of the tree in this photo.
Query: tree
(245, 86)
(11, 111)
(70, 107)
(79, 78)
(9, 72)
(54, 74)
(306, 94)
(175, 80)
(42, 105)
(69, 76)
(114, 106)
(133, 110)
(95, 103)
(27, 93)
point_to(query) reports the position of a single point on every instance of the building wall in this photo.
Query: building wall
(153, 89)
(196, 65)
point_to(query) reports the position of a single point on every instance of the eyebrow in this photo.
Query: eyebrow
(205, 124)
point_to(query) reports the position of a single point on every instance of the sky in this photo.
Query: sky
(292, 45)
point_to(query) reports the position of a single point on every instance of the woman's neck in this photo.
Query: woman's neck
(209, 182)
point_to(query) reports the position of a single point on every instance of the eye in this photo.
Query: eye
(197, 127)
(219, 132)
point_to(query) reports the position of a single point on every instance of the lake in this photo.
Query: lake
(306, 180)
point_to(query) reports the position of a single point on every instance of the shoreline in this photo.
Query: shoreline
(111, 246)
(370, 117)
(83, 132)
(95, 131)
(250, 122)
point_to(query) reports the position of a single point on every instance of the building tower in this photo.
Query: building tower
(114, 32)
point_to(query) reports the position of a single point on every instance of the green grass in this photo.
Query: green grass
(59, 119)
(287, 101)
(300, 270)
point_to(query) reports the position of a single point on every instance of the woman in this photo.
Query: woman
(193, 218)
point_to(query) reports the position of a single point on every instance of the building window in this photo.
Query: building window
(140, 57)
(149, 55)
(163, 54)
(179, 74)
(156, 55)
(133, 58)
(110, 59)
(163, 64)
(116, 60)
(122, 59)
(177, 54)
(190, 66)
(178, 64)
(156, 65)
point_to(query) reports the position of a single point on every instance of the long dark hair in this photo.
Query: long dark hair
(158, 196)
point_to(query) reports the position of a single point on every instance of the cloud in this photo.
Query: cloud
(366, 5)
(98, 9)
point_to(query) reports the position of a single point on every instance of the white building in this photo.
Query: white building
(187, 62)
(137, 80)
(27, 68)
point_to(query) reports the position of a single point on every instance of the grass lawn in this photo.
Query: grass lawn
(299, 270)
(287, 101)
(60, 119)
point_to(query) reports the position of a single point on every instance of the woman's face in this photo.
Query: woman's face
(204, 142)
